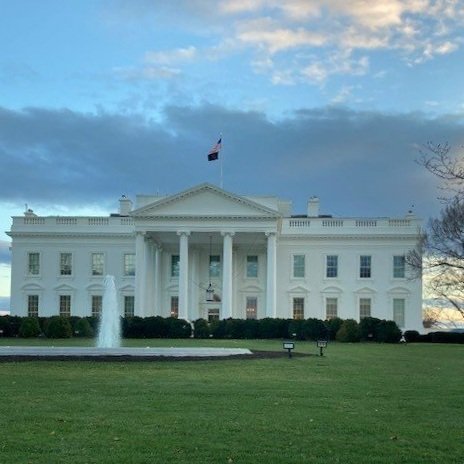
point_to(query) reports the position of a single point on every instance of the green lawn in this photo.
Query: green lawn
(358, 404)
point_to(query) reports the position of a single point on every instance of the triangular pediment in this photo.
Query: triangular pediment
(205, 200)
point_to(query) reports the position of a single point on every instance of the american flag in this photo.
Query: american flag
(214, 152)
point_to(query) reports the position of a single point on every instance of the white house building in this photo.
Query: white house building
(208, 253)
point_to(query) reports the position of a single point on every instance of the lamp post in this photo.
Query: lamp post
(289, 346)
(321, 344)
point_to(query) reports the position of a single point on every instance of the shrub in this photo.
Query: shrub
(58, 327)
(296, 329)
(273, 328)
(411, 336)
(235, 328)
(133, 327)
(368, 328)
(29, 327)
(155, 327)
(333, 326)
(447, 337)
(251, 329)
(349, 331)
(10, 325)
(201, 328)
(388, 332)
(83, 328)
(178, 328)
(218, 328)
(315, 329)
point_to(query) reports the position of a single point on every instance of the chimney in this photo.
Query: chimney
(125, 206)
(313, 207)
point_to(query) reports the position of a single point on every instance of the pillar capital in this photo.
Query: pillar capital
(227, 233)
(184, 233)
(270, 234)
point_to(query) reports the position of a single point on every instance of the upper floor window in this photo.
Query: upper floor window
(33, 263)
(175, 261)
(252, 267)
(33, 305)
(65, 264)
(298, 308)
(98, 261)
(331, 266)
(399, 267)
(365, 307)
(299, 266)
(365, 267)
(214, 265)
(129, 264)
(331, 308)
(65, 305)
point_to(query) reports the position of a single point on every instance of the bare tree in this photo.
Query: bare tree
(440, 255)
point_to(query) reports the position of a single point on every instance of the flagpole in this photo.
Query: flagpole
(222, 156)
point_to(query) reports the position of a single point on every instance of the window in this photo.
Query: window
(331, 266)
(298, 266)
(65, 264)
(365, 267)
(215, 265)
(364, 307)
(298, 308)
(65, 305)
(398, 311)
(174, 306)
(98, 261)
(252, 267)
(213, 314)
(97, 301)
(251, 307)
(175, 265)
(129, 264)
(331, 308)
(33, 305)
(399, 265)
(129, 306)
(33, 263)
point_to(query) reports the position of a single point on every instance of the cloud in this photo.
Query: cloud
(359, 163)
(169, 57)
(5, 254)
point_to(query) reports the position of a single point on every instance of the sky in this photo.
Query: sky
(334, 98)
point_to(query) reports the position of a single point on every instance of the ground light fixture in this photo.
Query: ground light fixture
(289, 346)
(321, 344)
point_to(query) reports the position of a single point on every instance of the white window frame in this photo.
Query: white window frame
(362, 301)
(402, 267)
(31, 266)
(94, 265)
(363, 267)
(33, 307)
(128, 312)
(64, 311)
(401, 320)
(332, 299)
(303, 300)
(251, 313)
(327, 267)
(252, 266)
(63, 265)
(127, 265)
(299, 267)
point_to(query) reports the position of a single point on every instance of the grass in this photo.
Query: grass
(358, 404)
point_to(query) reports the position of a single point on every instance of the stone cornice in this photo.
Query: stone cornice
(71, 234)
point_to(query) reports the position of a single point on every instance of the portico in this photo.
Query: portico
(175, 262)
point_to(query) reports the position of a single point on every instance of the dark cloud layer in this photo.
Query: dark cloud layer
(359, 163)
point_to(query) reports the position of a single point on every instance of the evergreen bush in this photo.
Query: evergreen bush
(29, 327)
(348, 332)
(411, 336)
(201, 328)
(315, 329)
(155, 327)
(58, 327)
(83, 328)
(368, 328)
(178, 328)
(10, 325)
(388, 332)
(333, 326)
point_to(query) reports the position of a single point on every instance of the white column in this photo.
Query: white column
(140, 273)
(227, 275)
(150, 277)
(157, 297)
(271, 280)
(183, 274)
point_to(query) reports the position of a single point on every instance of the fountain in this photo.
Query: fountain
(109, 333)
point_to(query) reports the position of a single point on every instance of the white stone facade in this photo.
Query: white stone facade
(260, 261)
